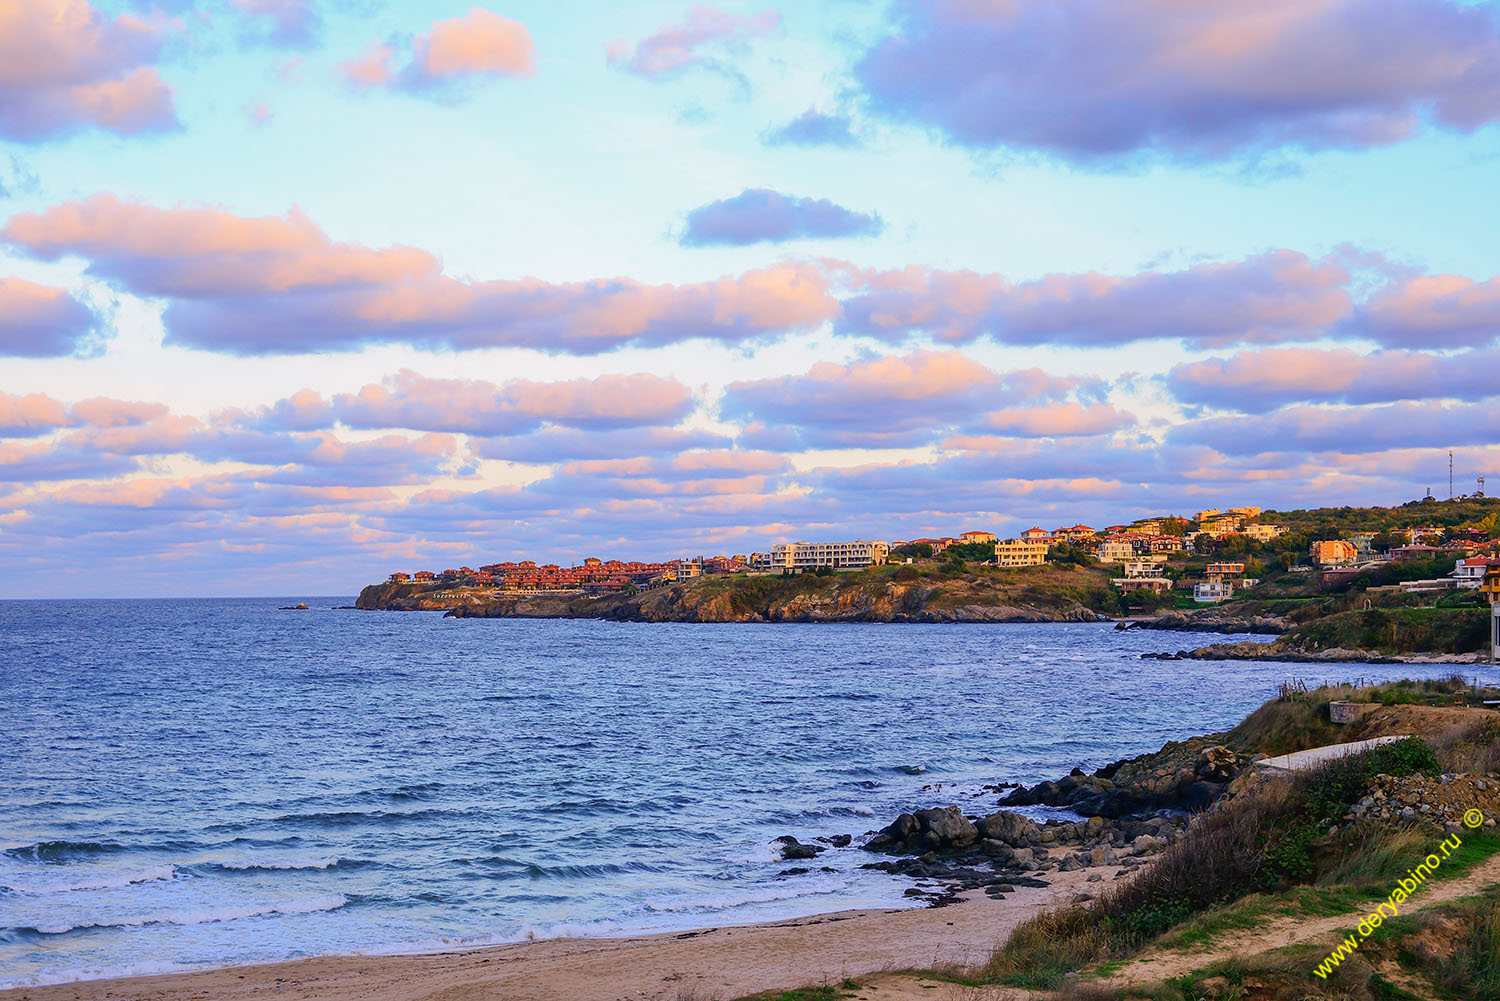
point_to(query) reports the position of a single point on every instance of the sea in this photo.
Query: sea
(198, 783)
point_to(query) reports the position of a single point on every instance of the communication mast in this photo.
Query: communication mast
(1450, 474)
(1480, 491)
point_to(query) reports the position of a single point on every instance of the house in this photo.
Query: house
(1469, 573)
(1076, 533)
(1203, 516)
(1264, 533)
(1218, 571)
(1146, 527)
(1166, 544)
(1245, 512)
(1020, 553)
(1332, 553)
(1143, 566)
(1156, 585)
(1116, 550)
(1036, 534)
(976, 537)
(1416, 551)
(1210, 591)
(424, 575)
(398, 578)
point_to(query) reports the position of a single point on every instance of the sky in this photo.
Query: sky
(298, 293)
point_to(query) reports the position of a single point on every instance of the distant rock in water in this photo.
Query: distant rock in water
(298, 607)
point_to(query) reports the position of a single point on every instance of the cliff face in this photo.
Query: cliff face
(851, 598)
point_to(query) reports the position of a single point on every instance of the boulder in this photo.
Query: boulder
(1216, 764)
(1011, 828)
(791, 848)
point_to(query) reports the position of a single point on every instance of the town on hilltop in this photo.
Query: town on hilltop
(1153, 556)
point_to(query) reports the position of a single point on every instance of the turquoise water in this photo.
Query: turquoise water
(188, 783)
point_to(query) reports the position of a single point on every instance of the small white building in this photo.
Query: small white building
(1469, 573)
(1212, 590)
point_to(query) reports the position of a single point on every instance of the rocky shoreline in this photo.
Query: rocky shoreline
(884, 601)
(1277, 652)
(1132, 810)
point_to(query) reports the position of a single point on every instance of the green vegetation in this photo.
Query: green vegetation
(1270, 840)
(1395, 631)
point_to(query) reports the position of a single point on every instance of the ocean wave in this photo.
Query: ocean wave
(98, 881)
(277, 865)
(200, 916)
(64, 851)
(535, 870)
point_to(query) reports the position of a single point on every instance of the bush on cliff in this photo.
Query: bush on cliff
(1267, 837)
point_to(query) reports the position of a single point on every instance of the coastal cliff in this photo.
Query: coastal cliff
(980, 595)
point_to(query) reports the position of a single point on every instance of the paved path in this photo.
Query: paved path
(1301, 761)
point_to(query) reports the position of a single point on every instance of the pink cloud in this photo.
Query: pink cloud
(64, 65)
(1257, 381)
(677, 47)
(410, 400)
(1194, 79)
(1281, 295)
(104, 412)
(1434, 311)
(32, 414)
(1059, 420)
(37, 321)
(902, 400)
(204, 252)
(279, 284)
(481, 43)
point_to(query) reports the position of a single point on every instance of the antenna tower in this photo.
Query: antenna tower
(1450, 474)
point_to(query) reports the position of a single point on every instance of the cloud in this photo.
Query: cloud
(676, 48)
(65, 66)
(479, 44)
(1433, 311)
(280, 285)
(758, 215)
(1195, 79)
(558, 444)
(1353, 430)
(1259, 381)
(907, 400)
(813, 128)
(410, 400)
(283, 22)
(33, 414)
(1275, 296)
(41, 322)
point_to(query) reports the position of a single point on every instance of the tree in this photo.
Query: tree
(971, 552)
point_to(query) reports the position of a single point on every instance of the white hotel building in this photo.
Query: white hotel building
(789, 556)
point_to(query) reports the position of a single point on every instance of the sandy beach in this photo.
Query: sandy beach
(714, 963)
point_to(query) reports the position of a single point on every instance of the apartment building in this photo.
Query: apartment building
(788, 556)
(1020, 553)
(1333, 553)
(1264, 533)
(1116, 550)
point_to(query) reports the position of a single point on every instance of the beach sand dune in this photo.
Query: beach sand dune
(715, 963)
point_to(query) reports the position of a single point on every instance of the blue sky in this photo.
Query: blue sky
(1179, 222)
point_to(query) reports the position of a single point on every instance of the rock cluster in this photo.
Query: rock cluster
(1442, 801)
(995, 851)
(1182, 776)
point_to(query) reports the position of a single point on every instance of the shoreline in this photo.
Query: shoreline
(727, 961)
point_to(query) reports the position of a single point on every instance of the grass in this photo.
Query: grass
(1269, 842)
(822, 992)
